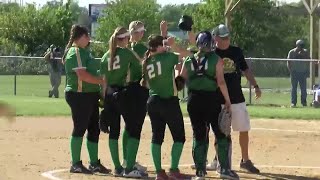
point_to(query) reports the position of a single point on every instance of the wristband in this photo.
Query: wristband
(256, 86)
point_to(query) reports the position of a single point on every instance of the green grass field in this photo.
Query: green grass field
(32, 100)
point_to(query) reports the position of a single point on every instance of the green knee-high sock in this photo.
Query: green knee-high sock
(199, 154)
(125, 137)
(156, 156)
(175, 155)
(75, 146)
(114, 151)
(93, 151)
(132, 149)
(222, 152)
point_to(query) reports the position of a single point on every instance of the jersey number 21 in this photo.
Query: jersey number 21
(151, 72)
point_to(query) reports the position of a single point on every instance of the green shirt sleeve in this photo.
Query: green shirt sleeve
(104, 64)
(174, 58)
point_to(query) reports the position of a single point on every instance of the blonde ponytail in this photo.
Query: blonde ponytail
(112, 49)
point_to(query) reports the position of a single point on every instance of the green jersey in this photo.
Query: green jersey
(139, 48)
(120, 73)
(136, 68)
(79, 58)
(160, 74)
(203, 82)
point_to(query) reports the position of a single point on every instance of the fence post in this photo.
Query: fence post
(15, 78)
(249, 63)
(250, 94)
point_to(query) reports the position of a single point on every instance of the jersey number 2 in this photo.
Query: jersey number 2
(150, 69)
(116, 63)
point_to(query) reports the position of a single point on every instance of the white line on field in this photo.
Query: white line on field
(285, 130)
(50, 174)
(281, 130)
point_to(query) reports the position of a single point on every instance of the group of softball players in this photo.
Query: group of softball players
(136, 78)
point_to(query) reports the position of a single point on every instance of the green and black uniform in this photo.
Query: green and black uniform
(117, 102)
(136, 98)
(163, 107)
(82, 98)
(204, 108)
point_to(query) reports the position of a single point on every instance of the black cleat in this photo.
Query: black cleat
(79, 168)
(248, 166)
(99, 168)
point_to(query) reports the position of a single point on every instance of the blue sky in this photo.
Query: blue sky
(162, 2)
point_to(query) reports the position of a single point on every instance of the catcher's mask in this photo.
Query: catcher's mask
(185, 23)
(204, 40)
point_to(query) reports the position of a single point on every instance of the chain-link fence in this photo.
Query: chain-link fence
(28, 76)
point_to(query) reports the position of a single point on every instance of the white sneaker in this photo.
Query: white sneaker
(212, 166)
(137, 166)
(135, 174)
(140, 167)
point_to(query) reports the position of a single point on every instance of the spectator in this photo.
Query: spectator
(299, 71)
(316, 101)
(53, 57)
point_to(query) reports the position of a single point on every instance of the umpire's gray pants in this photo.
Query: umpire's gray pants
(55, 80)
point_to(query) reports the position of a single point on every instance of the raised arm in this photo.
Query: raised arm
(175, 48)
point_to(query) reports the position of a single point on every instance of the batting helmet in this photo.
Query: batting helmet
(204, 40)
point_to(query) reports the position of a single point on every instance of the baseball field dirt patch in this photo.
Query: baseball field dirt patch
(38, 148)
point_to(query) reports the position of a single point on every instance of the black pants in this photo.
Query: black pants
(162, 112)
(204, 108)
(135, 108)
(85, 114)
(130, 102)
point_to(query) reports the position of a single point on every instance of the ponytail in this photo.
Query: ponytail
(144, 63)
(70, 42)
(75, 33)
(112, 49)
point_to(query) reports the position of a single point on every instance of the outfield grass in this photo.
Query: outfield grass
(32, 100)
(43, 106)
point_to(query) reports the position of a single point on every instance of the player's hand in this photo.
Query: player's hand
(163, 26)
(257, 92)
(227, 105)
(170, 41)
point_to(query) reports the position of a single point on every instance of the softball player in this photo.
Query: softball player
(204, 72)
(82, 94)
(137, 95)
(234, 65)
(115, 65)
(163, 104)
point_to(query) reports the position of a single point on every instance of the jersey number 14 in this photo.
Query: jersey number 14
(151, 68)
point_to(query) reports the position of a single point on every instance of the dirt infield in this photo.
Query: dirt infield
(36, 146)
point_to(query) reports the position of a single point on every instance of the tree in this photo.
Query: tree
(122, 12)
(35, 29)
(208, 15)
(172, 14)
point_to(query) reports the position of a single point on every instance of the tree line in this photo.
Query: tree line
(261, 27)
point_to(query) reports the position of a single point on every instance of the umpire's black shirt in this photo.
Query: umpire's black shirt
(234, 63)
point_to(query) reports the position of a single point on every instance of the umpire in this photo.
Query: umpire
(53, 56)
